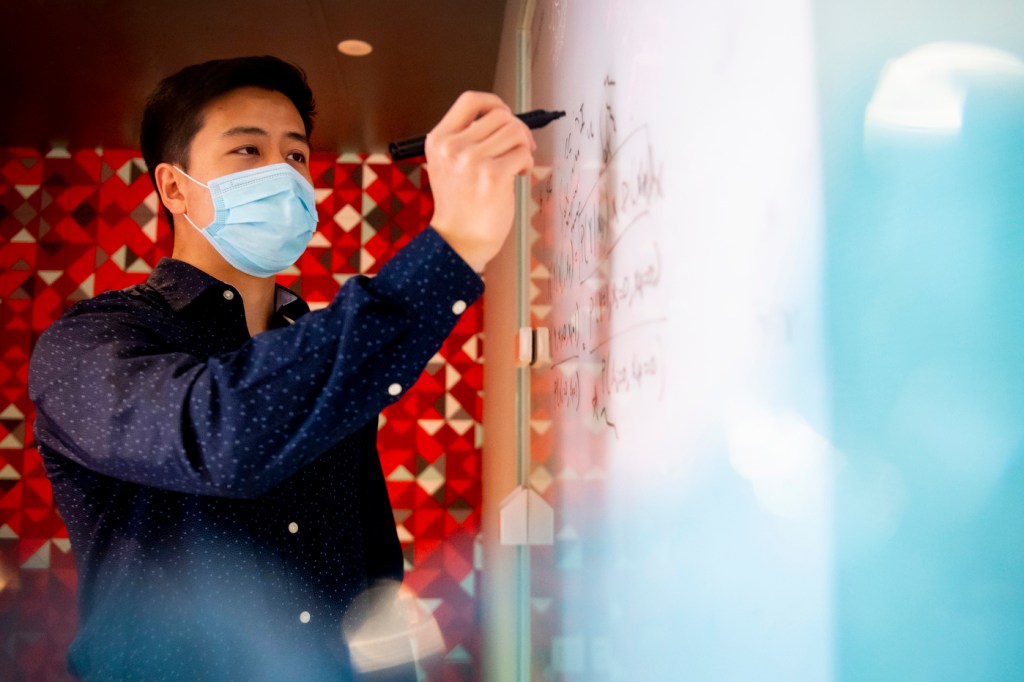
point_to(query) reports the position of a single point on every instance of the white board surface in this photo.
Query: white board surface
(679, 433)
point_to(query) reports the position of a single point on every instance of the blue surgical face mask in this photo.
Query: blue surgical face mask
(263, 218)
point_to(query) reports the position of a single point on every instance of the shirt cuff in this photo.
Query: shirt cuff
(429, 277)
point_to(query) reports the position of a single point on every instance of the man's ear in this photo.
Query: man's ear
(167, 184)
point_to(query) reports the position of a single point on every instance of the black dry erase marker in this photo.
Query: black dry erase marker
(407, 149)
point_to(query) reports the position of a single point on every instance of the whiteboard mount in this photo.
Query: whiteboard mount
(526, 519)
(533, 347)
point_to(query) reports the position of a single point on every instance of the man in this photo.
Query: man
(211, 443)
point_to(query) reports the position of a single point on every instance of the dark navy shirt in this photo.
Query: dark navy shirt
(223, 494)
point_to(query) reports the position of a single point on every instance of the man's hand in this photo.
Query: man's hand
(473, 156)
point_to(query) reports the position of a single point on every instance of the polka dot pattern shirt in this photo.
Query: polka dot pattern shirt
(223, 493)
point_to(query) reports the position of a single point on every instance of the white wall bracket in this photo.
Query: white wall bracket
(526, 519)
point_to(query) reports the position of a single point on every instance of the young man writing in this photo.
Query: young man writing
(211, 443)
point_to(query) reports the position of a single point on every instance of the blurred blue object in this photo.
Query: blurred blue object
(925, 310)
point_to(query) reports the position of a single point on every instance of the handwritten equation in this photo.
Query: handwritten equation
(606, 265)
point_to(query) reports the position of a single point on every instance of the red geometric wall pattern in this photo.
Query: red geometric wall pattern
(74, 223)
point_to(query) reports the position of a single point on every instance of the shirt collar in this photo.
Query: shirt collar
(180, 283)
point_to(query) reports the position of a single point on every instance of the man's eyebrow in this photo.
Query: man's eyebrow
(246, 130)
(299, 137)
(255, 130)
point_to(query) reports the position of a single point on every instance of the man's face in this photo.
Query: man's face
(246, 128)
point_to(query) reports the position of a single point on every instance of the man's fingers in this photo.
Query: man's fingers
(516, 161)
(467, 108)
(511, 135)
(485, 126)
(487, 138)
(477, 131)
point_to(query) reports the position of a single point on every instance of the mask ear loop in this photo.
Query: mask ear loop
(203, 185)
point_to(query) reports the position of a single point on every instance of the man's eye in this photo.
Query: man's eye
(298, 157)
(249, 149)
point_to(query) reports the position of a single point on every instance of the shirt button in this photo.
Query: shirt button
(395, 389)
(229, 295)
(293, 528)
(304, 617)
(459, 307)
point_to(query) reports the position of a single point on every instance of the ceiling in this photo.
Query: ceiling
(78, 72)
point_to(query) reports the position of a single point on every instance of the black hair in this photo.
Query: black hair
(174, 110)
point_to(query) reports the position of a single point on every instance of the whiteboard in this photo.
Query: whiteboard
(679, 432)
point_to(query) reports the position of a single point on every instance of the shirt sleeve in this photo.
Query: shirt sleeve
(110, 395)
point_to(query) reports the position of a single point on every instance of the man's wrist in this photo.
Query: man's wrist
(472, 252)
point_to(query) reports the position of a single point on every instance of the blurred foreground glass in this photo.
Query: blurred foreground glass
(925, 298)
(388, 629)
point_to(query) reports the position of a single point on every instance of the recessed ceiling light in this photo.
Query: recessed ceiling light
(355, 48)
